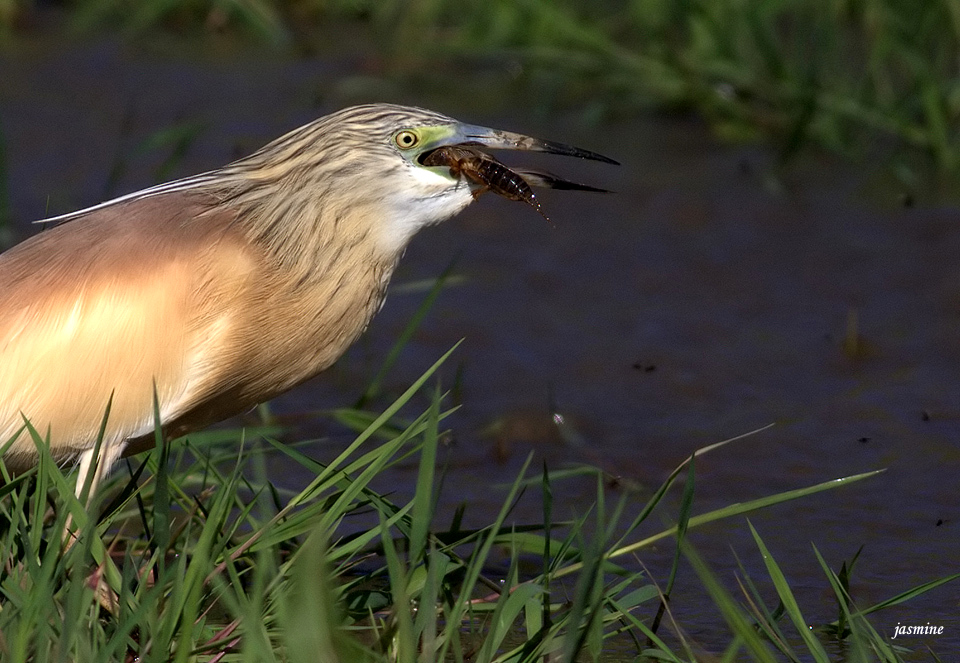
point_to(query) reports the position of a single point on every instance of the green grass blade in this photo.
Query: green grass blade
(736, 510)
(375, 387)
(387, 414)
(423, 499)
(789, 601)
(738, 622)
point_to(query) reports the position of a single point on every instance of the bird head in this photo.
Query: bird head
(380, 164)
(380, 153)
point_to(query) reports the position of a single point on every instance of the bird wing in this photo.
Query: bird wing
(104, 309)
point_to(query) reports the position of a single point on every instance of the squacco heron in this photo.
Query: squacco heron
(220, 291)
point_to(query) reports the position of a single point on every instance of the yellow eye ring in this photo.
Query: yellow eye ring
(406, 139)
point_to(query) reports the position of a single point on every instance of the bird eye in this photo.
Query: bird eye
(406, 139)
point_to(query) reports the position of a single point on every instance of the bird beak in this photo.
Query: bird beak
(470, 135)
(495, 139)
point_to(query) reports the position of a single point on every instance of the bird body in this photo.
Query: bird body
(210, 320)
(215, 292)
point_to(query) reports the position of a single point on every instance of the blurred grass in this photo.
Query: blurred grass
(867, 78)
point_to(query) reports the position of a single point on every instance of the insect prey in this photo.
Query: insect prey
(486, 171)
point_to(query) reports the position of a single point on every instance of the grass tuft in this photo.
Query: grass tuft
(196, 556)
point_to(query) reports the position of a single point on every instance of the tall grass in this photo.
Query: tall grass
(197, 556)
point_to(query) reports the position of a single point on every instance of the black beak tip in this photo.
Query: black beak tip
(600, 157)
(571, 151)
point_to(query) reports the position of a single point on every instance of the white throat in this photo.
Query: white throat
(406, 214)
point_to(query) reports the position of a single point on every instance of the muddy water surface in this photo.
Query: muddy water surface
(701, 301)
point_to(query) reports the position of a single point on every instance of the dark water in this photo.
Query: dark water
(704, 300)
